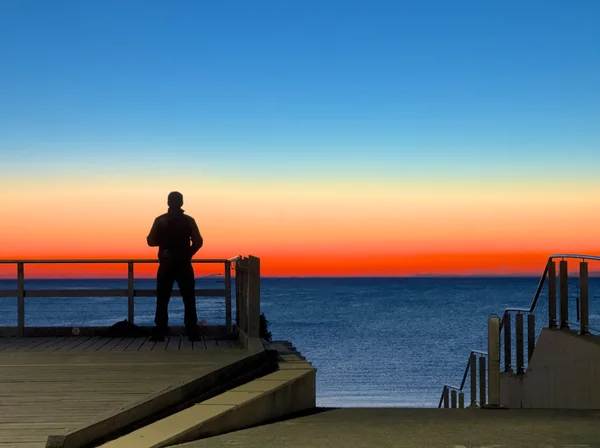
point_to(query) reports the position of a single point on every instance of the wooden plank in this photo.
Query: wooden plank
(36, 439)
(200, 345)
(161, 346)
(71, 343)
(32, 343)
(136, 344)
(109, 345)
(85, 376)
(65, 342)
(185, 344)
(121, 346)
(173, 344)
(147, 345)
(77, 346)
(17, 343)
(236, 344)
(46, 345)
(4, 444)
(109, 399)
(7, 341)
(47, 372)
(83, 390)
(33, 359)
(86, 344)
(223, 344)
(211, 344)
(101, 342)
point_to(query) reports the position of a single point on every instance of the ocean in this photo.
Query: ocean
(385, 342)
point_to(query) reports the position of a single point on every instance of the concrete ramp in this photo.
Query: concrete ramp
(290, 389)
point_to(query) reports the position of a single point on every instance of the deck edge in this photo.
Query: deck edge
(205, 386)
(215, 331)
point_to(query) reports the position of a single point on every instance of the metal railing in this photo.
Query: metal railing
(475, 366)
(21, 293)
(549, 276)
(505, 324)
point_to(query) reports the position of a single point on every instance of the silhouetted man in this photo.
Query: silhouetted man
(172, 233)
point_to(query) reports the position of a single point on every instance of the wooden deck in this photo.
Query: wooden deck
(74, 344)
(51, 385)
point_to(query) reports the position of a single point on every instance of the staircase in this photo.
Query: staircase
(489, 386)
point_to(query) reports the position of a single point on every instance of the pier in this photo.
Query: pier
(83, 386)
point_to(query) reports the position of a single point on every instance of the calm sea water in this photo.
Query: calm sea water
(374, 341)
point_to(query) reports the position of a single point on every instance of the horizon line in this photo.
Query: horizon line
(592, 274)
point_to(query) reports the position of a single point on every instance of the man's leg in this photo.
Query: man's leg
(187, 287)
(164, 287)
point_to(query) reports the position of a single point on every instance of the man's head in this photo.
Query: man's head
(175, 199)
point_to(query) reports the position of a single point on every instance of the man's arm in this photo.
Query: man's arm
(197, 240)
(152, 237)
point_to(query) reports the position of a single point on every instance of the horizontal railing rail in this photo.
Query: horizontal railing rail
(81, 293)
(111, 260)
(21, 293)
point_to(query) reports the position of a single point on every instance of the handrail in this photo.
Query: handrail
(519, 310)
(576, 256)
(113, 260)
(464, 379)
(541, 282)
(473, 352)
(21, 293)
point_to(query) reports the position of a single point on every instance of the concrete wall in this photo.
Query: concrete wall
(564, 373)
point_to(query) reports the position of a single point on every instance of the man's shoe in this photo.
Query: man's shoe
(157, 335)
(194, 334)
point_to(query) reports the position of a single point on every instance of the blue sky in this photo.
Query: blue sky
(308, 87)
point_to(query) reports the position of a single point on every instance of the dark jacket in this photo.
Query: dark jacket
(172, 233)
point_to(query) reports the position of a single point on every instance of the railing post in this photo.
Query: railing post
(445, 397)
(453, 399)
(552, 323)
(494, 361)
(520, 343)
(253, 296)
(228, 295)
(244, 301)
(461, 400)
(473, 367)
(254, 343)
(507, 343)
(482, 388)
(238, 291)
(21, 298)
(130, 292)
(583, 291)
(530, 336)
(564, 295)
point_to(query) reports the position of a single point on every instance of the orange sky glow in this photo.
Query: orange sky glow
(315, 229)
